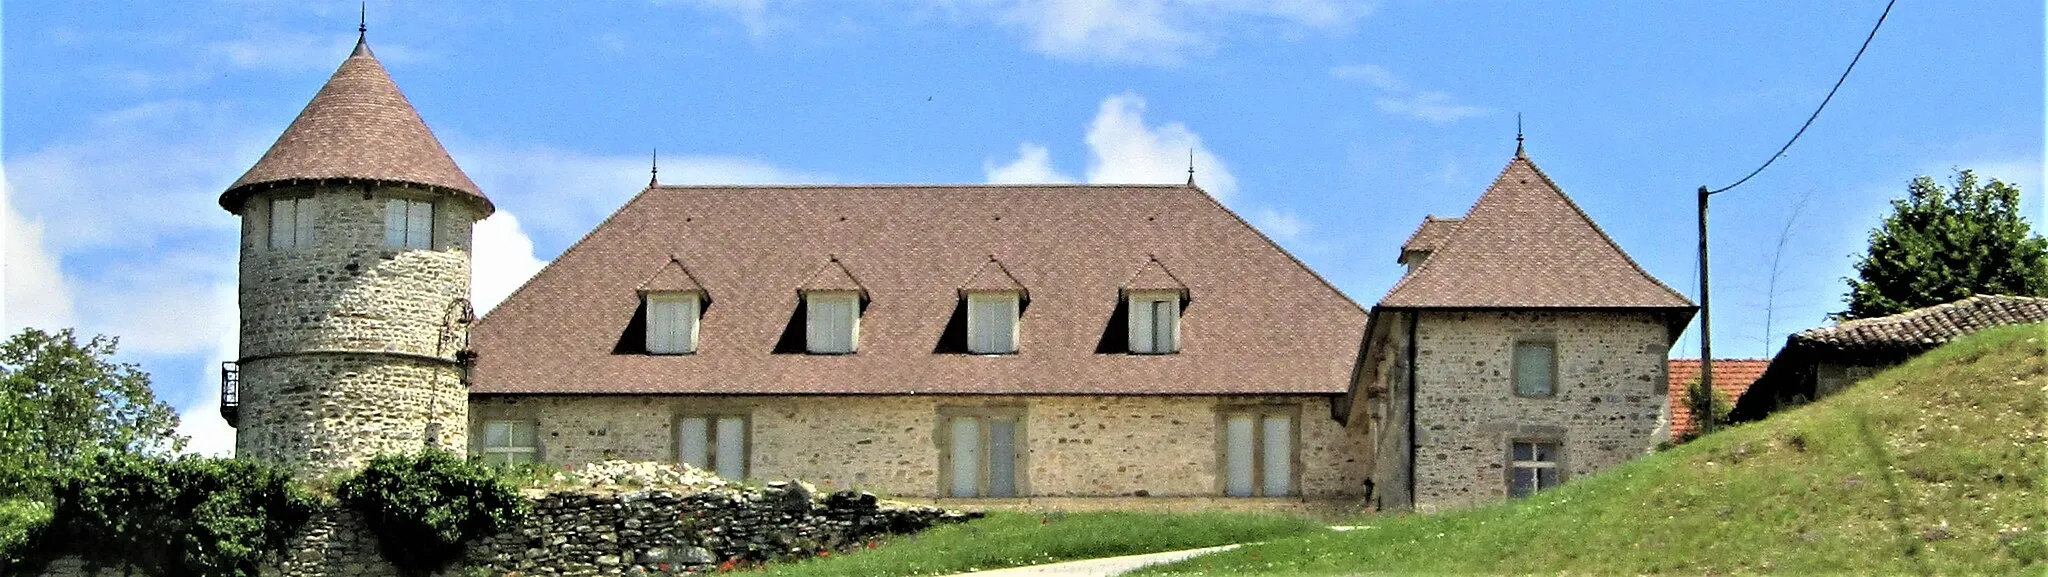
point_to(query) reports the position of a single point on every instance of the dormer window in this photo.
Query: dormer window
(992, 322)
(408, 224)
(1155, 322)
(291, 223)
(832, 322)
(672, 322)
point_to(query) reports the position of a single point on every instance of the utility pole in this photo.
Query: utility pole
(1705, 421)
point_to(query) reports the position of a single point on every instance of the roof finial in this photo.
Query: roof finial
(1191, 166)
(1518, 137)
(654, 169)
(362, 20)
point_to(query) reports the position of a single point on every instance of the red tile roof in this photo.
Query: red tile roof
(832, 276)
(1258, 322)
(1732, 377)
(1154, 276)
(359, 127)
(1524, 244)
(1428, 236)
(992, 276)
(673, 277)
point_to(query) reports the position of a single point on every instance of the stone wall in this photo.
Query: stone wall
(643, 532)
(1073, 446)
(347, 347)
(1609, 405)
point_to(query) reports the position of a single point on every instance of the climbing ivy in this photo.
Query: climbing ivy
(425, 508)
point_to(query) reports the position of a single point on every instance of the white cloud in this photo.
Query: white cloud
(1033, 165)
(501, 260)
(1154, 31)
(1282, 226)
(751, 14)
(36, 292)
(1125, 150)
(1397, 97)
(200, 421)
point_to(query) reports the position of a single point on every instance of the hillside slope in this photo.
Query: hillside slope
(1936, 466)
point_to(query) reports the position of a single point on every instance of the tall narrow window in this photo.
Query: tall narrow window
(992, 323)
(672, 323)
(832, 322)
(714, 443)
(291, 223)
(1532, 468)
(508, 442)
(1258, 453)
(1535, 368)
(981, 453)
(408, 224)
(1155, 322)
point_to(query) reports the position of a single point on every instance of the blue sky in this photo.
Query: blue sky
(1333, 126)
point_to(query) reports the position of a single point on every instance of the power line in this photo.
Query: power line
(1823, 102)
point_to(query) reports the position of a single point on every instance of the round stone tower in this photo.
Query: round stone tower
(354, 283)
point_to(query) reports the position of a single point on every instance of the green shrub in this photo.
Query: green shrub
(180, 517)
(424, 508)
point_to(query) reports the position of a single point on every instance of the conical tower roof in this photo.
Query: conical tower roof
(1524, 244)
(359, 127)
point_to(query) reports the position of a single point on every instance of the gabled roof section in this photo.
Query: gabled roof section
(359, 127)
(992, 276)
(672, 277)
(1154, 276)
(832, 276)
(1267, 325)
(1429, 235)
(1918, 330)
(1524, 244)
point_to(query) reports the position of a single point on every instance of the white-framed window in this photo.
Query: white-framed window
(408, 224)
(1155, 322)
(992, 323)
(1532, 467)
(981, 449)
(831, 322)
(507, 442)
(1258, 452)
(672, 322)
(1535, 368)
(291, 223)
(716, 443)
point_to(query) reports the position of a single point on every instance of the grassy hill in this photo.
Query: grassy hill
(1936, 466)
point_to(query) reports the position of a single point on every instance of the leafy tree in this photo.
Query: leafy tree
(63, 402)
(1942, 244)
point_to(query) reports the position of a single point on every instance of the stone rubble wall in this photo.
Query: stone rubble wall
(636, 532)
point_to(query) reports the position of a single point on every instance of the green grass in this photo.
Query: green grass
(1011, 539)
(1934, 467)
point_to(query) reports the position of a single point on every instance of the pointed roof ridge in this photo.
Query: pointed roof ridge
(1486, 261)
(1429, 235)
(832, 276)
(1164, 279)
(358, 128)
(981, 280)
(673, 276)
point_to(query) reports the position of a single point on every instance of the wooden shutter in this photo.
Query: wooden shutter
(730, 454)
(419, 224)
(394, 223)
(693, 441)
(992, 323)
(1276, 455)
(1535, 364)
(1240, 432)
(832, 326)
(672, 323)
(302, 222)
(283, 222)
(1002, 457)
(1141, 325)
(966, 456)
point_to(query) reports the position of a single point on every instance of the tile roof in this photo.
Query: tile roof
(1922, 329)
(992, 276)
(359, 127)
(1154, 276)
(1428, 236)
(1732, 377)
(832, 276)
(673, 277)
(1524, 244)
(1260, 322)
